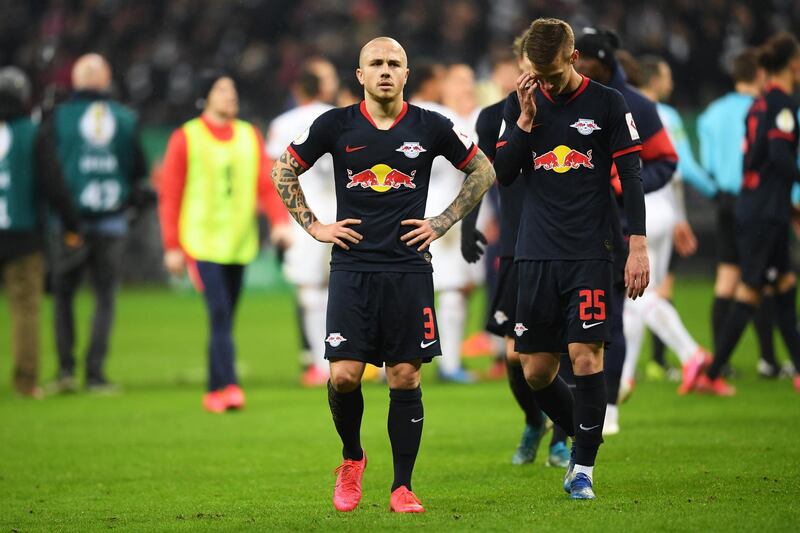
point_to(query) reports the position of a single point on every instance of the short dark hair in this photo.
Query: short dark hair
(776, 53)
(745, 66)
(630, 65)
(546, 39)
(649, 68)
(308, 83)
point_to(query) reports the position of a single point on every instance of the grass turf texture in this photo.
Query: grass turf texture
(152, 460)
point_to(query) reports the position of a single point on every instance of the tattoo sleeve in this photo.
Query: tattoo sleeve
(480, 176)
(284, 176)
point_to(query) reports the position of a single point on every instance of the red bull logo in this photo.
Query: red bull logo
(381, 178)
(562, 159)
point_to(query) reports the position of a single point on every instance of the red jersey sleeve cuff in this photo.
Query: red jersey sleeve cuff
(778, 134)
(297, 156)
(469, 157)
(625, 151)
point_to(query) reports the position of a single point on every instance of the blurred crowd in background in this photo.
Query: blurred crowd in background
(157, 48)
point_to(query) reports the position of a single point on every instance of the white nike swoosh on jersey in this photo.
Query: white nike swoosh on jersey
(588, 429)
(424, 344)
(587, 326)
(415, 420)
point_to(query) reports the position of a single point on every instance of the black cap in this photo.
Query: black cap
(15, 92)
(601, 44)
(205, 81)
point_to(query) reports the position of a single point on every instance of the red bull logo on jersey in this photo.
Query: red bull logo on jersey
(562, 159)
(381, 178)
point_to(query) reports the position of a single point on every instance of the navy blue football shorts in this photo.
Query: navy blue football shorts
(763, 251)
(381, 317)
(561, 302)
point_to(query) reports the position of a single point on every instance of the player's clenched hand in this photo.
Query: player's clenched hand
(337, 233)
(637, 268)
(424, 233)
(526, 85)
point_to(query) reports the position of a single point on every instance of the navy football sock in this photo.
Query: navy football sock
(559, 435)
(557, 402)
(590, 413)
(737, 319)
(719, 311)
(523, 393)
(347, 409)
(405, 432)
(786, 320)
(763, 321)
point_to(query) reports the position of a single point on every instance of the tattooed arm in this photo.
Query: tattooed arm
(284, 176)
(480, 176)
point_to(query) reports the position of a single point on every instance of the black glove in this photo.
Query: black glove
(142, 197)
(470, 249)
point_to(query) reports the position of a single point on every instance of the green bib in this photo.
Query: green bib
(95, 140)
(218, 211)
(18, 206)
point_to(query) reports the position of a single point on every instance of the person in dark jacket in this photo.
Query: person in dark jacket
(29, 180)
(103, 163)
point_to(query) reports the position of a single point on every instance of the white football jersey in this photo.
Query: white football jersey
(317, 182)
(446, 180)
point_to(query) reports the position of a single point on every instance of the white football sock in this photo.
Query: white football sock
(314, 301)
(451, 315)
(633, 329)
(662, 318)
(581, 469)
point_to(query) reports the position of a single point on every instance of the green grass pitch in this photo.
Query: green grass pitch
(151, 460)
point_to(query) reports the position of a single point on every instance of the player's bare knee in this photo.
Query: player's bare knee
(403, 376)
(727, 279)
(539, 370)
(513, 357)
(345, 378)
(746, 294)
(786, 282)
(586, 358)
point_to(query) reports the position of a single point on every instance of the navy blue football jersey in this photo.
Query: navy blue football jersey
(381, 178)
(566, 170)
(770, 159)
(490, 127)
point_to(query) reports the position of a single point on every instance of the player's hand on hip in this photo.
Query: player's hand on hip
(526, 87)
(337, 233)
(637, 268)
(424, 233)
(174, 262)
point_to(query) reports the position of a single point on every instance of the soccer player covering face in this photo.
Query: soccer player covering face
(563, 133)
(763, 211)
(380, 304)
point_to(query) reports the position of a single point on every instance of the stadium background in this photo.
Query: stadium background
(157, 48)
